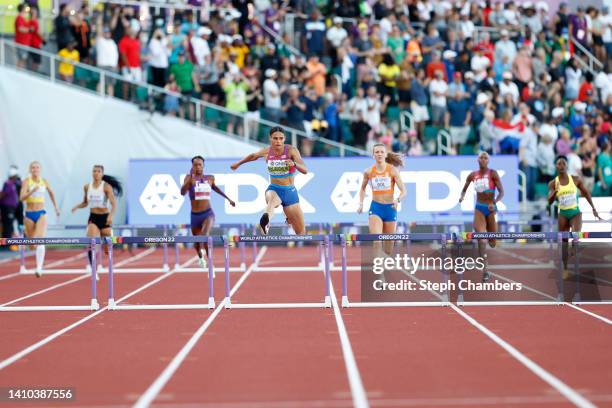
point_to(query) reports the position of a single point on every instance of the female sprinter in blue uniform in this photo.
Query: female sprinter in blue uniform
(383, 176)
(282, 161)
(33, 192)
(199, 187)
(97, 195)
(485, 181)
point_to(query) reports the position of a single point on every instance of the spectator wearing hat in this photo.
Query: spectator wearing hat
(577, 118)
(545, 158)
(335, 36)
(448, 59)
(240, 50)
(158, 58)
(200, 46)
(272, 97)
(456, 86)
(530, 18)
(505, 47)
(509, 87)
(270, 60)
(9, 202)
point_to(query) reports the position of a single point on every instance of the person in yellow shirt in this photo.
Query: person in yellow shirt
(564, 189)
(33, 192)
(389, 73)
(240, 49)
(65, 68)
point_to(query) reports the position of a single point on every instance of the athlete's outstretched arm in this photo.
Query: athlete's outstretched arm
(221, 192)
(499, 185)
(364, 184)
(83, 203)
(468, 180)
(187, 182)
(251, 157)
(586, 193)
(299, 162)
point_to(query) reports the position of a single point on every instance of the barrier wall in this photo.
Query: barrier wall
(69, 131)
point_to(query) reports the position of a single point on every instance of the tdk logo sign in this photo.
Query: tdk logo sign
(328, 193)
(161, 196)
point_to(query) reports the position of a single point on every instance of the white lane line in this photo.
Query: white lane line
(573, 306)
(358, 392)
(66, 260)
(546, 376)
(535, 368)
(50, 288)
(19, 355)
(155, 388)
(12, 275)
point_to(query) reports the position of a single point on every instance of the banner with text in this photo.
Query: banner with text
(329, 193)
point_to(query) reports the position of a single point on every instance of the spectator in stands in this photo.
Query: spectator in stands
(419, 103)
(315, 34)
(63, 32)
(235, 87)
(187, 82)
(23, 35)
(294, 108)
(68, 56)
(528, 151)
(315, 74)
(129, 58)
(604, 170)
(457, 119)
(172, 105)
(438, 90)
(107, 57)
(36, 39)
(505, 47)
(272, 97)
(9, 202)
(158, 58)
(577, 25)
(509, 87)
(522, 68)
(81, 31)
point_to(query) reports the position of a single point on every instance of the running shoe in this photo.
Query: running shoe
(264, 223)
(38, 272)
(486, 276)
(202, 261)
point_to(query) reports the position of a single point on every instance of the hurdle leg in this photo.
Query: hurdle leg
(165, 251)
(211, 272)
(111, 276)
(345, 301)
(94, 275)
(228, 300)
(242, 251)
(327, 273)
(177, 262)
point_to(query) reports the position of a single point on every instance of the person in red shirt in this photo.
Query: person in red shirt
(129, 59)
(586, 86)
(436, 64)
(36, 40)
(22, 36)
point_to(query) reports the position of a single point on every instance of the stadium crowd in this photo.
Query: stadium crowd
(504, 77)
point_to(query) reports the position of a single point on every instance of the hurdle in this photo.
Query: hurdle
(210, 240)
(443, 299)
(317, 238)
(90, 243)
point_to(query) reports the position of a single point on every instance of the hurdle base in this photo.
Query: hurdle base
(94, 304)
(111, 304)
(327, 302)
(242, 267)
(345, 301)
(22, 269)
(165, 268)
(211, 302)
(227, 303)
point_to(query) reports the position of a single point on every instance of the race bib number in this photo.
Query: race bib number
(568, 200)
(481, 184)
(381, 183)
(278, 167)
(202, 191)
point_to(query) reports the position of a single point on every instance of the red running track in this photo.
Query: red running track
(283, 358)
